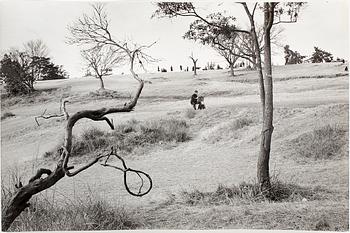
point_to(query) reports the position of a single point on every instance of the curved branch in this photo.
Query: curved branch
(95, 115)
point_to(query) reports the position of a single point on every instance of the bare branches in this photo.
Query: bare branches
(93, 31)
(125, 169)
(95, 115)
(287, 12)
(174, 9)
(63, 113)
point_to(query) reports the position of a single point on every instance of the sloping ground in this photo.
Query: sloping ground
(220, 152)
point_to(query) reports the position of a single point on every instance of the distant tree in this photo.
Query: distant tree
(210, 66)
(43, 69)
(181, 67)
(36, 48)
(320, 56)
(292, 57)
(15, 75)
(171, 68)
(158, 69)
(101, 60)
(164, 70)
(20, 71)
(194, 68)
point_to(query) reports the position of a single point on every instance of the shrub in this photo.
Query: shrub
(7, 115)
(128, 137)
(323, 143)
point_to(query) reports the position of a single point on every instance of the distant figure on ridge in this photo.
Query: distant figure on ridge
(194, 98)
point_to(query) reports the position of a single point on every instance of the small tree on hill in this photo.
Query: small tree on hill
(292, 57)
(101, 60)
(320, 56)
(194, 68)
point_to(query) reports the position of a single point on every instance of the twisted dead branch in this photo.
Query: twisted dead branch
(89, 30)
(36, 184)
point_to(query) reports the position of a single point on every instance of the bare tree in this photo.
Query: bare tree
(101, 59)
(92, 31)
(285, 13)
(194, 60)
(36, 48)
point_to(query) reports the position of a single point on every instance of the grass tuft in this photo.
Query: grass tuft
(92, 214)
(324, 143)
(248, 193)
(228, 130)
(128, 137)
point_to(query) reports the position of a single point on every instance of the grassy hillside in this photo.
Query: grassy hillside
(203, 163)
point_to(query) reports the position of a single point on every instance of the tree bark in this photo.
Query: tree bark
(195, 67)
(102, 85)
(266, 134)
(232, 69)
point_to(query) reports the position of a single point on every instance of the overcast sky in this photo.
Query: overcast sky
(322, 23)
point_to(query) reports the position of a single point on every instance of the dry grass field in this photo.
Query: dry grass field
(203, 163)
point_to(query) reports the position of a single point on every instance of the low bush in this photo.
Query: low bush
(247, 193)
(128, 136)
(7, 115)
(323, 143)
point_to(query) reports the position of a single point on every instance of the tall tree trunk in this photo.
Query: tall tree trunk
(102, 85)
(265, 144)
(195, 67)
(232, 70)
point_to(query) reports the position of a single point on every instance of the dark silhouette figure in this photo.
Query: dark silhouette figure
(200, 102)
(346, 68)
(194, 98)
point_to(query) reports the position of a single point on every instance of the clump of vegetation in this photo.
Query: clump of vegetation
(104, 94)
(128, 137)
(247, 193)
(323, 143)
(7, 115)
(190, 113)
(90, 214)
(228, 130)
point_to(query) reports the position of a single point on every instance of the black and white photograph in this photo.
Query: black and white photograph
(150, 115)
